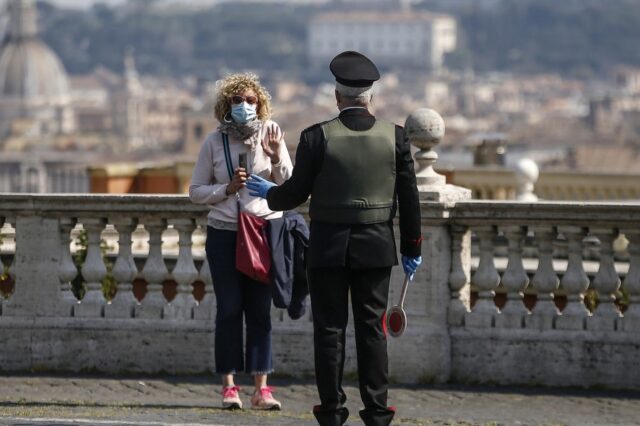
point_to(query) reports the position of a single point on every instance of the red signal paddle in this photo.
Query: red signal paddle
(396, 316)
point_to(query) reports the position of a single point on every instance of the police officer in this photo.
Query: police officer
(358, 171)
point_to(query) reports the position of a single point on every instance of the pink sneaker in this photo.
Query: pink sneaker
(263, 400)
(231, 398)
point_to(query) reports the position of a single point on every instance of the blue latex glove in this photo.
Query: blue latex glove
(410, 265)
(259, 186)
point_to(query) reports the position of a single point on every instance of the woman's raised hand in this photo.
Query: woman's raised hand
(271, 142)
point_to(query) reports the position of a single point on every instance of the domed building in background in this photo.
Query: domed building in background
(35, 96)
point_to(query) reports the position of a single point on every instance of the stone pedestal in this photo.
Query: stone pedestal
(423, 353)
(36, 262)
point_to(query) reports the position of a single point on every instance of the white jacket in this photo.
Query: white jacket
(210, 178)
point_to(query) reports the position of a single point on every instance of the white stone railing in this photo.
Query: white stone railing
(548, 224)
(161, 229)
(57, 331)
(43, 226)
(44, 326)
(545, 345)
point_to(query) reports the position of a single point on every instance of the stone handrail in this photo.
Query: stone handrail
(556, 213)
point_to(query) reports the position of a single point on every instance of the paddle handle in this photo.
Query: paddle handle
(405, 286)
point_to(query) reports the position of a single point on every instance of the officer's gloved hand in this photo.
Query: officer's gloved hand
(259, 186)
(410, 265)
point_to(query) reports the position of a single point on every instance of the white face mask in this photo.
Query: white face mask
(243, 113)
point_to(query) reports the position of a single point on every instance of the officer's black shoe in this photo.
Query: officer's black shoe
(330, 417)
(377, 417)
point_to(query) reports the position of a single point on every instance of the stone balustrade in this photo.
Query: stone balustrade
(545, 345)
(548, 225)
(44, 326)
(47, 327)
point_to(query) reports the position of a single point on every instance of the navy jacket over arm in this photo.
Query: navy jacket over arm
(289, 239)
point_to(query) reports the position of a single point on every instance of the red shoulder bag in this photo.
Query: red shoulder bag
(253, 254)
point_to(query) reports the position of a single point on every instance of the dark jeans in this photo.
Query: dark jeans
(329, 288)
(238, 295)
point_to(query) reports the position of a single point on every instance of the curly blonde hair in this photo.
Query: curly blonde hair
(238, 83)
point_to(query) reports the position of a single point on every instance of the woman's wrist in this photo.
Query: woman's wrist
(275, 159)
(227, 190)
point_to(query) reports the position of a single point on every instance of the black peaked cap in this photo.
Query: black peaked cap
(353, 69)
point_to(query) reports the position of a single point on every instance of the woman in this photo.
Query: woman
(243, 110)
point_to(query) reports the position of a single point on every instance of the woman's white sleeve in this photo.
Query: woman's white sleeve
(203, 189)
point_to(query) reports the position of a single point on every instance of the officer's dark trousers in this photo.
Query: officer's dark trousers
(329, 288)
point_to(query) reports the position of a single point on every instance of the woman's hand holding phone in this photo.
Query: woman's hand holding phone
(238, 182)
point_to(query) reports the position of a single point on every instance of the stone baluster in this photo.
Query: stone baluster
(93, 271)
(574, 281)
(631, 320)
(277, 316)
(124, 272)
(11, 270)
(486, 279)
(459, 275)
(67, 270)
(1, 265)
(206, 308)
(155, 272)
(12, 266)
(606, 282)
(515, 280)
(1, 225)
(545, 281)
(184, 273)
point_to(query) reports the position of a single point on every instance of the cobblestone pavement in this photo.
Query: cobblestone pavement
(158, 401)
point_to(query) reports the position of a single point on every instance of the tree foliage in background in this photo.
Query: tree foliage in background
(578, 37)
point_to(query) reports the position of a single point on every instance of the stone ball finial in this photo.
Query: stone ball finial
(424, 128)
(527, 170)
(527, 173)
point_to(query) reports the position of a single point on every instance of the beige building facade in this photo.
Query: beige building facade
(391, 39)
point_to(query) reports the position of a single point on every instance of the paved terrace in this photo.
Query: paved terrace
(156, 400)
